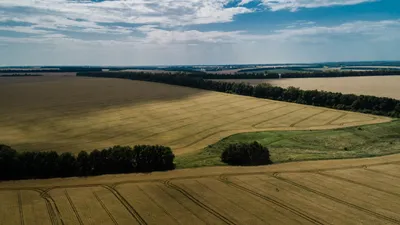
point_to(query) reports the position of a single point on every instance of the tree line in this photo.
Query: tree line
(16, 165)
(251, 74)
(350, 102)
(52, 69)
(21, 75)
(235, 76)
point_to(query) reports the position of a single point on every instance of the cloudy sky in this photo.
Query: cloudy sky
(165, 32)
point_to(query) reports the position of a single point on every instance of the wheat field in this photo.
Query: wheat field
(356, 191)
(74, 114)
(382, 86)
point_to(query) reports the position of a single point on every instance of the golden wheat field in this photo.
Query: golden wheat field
(74, 114)
(356, 191)
(382, 86)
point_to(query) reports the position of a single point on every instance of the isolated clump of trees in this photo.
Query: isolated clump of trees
(350, 102)
(244, 154)
(118, 159)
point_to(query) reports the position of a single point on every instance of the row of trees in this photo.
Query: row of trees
(359, 103)
(21, 75)
(235, 76)
(252, 74)
(53, 69)
(341, 73)
(34, 165)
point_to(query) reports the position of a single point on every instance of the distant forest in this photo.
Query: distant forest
(253, 71)
(309, 74)
(358, 103)
(51, 70)
(21, 75)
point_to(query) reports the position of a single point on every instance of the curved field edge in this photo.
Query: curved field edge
(220, 135)
(305, 145)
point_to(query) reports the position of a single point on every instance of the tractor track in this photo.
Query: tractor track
(297, 212)
(364, 210)
(199, 203)
(126, 204)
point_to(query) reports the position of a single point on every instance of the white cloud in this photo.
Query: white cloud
(160, 36)
(148, 27)
(165, 12)
(244, 2)
(294, 5)
(23, 29)
(374, 28)
(307, 32)
(84, 16)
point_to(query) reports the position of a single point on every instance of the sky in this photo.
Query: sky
(192, 32)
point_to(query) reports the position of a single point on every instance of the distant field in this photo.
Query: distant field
(360, 191)
(383, 86)
(375, 67)
(74, 114)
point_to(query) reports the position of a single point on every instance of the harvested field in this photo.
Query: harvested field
(74, 114)
(382, 86)
(356, 191)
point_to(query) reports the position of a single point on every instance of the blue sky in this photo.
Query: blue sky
(165, 32)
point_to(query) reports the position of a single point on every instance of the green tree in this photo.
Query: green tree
(245, 154)
(67, 165)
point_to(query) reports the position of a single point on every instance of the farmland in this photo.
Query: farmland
(356, 191)
(66, 113)
(386, 86)
(74, 114)
(287, 146)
